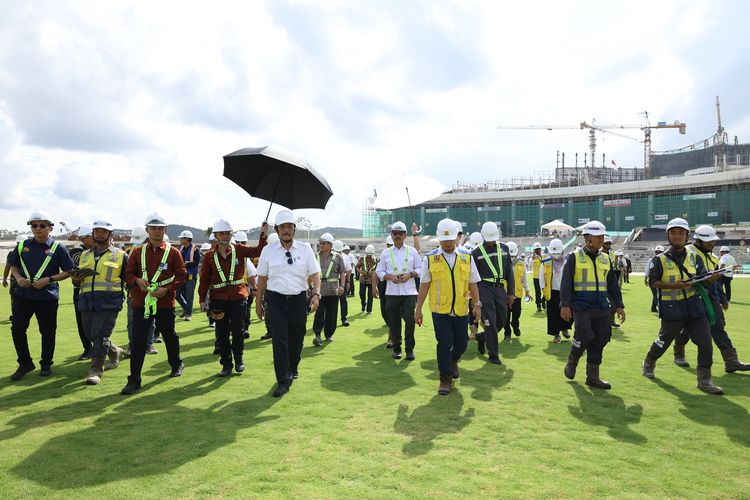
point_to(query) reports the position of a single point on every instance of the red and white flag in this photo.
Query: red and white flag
(614, 164)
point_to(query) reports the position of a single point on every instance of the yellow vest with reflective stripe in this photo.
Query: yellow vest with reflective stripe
(672, 274)
(519, 269)
(590, 277)
(709, 259)
(449, 288)
(536, 264)
(109, 267)
(547, 265)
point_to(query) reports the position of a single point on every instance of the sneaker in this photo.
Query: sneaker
(556, 339)
(177, 372)
(566, 334)
(389, 345)
(188, 318)
(329, 339)
(517, 332)
(317, 341)
(239, 367)
(182, 315)
(344, 322)
(151, 350)
(245, 334)
(614, 325)
(225, 371)
(84, 356)
(22, 371)
(396, 355)
(158, 340)
(114, 360)
(410, 356)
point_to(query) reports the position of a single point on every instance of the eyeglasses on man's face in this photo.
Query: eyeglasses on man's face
(40, 226)
(289, 259)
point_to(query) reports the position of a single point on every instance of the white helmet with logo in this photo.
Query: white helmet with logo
(221, 225)
(658, 248)
(205, 247)
(512, 248)
(186, 234)
(272, 238)
(138, 234)
(536, 245)
(447, 230)
(607, 238)
(42, 216)
(240, 237)
(338, 246)
(678, 222)
(327, 237)
(490, 232)
(285, 217)
(85, 230)
(370, 249)
(594, 228)
(555, 247)
(705, 233)
(389, 240)
(155, 220)
(476, 238)
(459, 228)
(398, 226)
(102, 224)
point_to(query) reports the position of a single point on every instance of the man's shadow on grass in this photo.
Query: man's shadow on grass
(560, 351)
(483, 380)
(442, 415)
(513, 347)
(374, 374)
(148, 434)
(603, 409)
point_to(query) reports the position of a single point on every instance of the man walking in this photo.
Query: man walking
(332, 288)
(86, 237)
(366, 270)
(536, 266)
(727, 262)
(521, 290)
(338, 247)
(192, 256)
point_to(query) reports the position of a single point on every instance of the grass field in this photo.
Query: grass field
(359, 424)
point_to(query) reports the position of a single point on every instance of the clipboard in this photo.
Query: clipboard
(703, 277)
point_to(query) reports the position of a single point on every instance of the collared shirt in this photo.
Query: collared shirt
(426, 275)
(366, 277)
(566, 283)
(727, 262)
(175, 267)
(192, 256)
(404, 257)
(329, 284)
(348, 261)
(285, 278)
(210, 275)
(34, 254)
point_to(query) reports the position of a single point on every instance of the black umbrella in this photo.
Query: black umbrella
(278, 176)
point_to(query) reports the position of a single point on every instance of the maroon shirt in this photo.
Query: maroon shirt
(175, 267)
(209, 276)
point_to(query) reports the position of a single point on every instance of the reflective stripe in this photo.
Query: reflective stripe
(106, 282)
(224, 280)
(327, 274)
(44, 265)
(144, 271)
(496, 277)
(406, 260)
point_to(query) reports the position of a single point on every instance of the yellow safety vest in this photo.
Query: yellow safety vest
(709, 259)
(109, 267)
(591, 275)
(670, 273)
(449, 288)
(536, 264)
(519, 269)
(547, 264)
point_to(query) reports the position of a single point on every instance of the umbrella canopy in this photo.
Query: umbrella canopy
(407, 190)
(278, 176)
(557, 225)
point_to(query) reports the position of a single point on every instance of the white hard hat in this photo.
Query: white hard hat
(205, 247)
(618, 253)
(338, 246)
(40, 215)
(85, 230)
(724, 249)
(555, 247)
(512, 248)
(240, 237)
(705, 233)
(389, 240)
(459, 228)
(165, 238)
(626, 256)
(476, 238)
(212, 237)
(447, 230)
(102, 224)
(327, 237)
(607, 238)
(232, 240)
(346, 247)
(398, 226)
(490, 231)
(138, 234)
(155, 220)
(186, 234)
(21, 237)
(221, 225)
(285, 217)
(272, 238)
(594, 228)
(370, 249)
(658, 248)
(678, 222)
(536, 245)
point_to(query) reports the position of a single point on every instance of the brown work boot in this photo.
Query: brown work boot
(114, 357)
(570, 367)
(732, 363)
(648, 367)
(454, 369)
(679, 355)
(705, 383)
(446, 382)
(96, 371)
(592, 378)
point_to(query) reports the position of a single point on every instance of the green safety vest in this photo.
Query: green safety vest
(497, 276)
(162, 265)
(44, 265)
(224, 280)
(406, 260)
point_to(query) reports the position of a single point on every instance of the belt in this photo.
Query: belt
(492, 283)
(271, 293)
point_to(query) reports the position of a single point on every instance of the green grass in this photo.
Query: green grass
(359, 424)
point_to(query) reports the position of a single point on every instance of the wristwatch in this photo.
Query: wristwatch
(477, 304)
(316, 293)
(51, 279)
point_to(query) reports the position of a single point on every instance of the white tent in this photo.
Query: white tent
(557, 225)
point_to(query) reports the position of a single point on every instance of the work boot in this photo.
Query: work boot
(731, 363)
(454, 369)
(225, 371)
(96, 371)
(446, 382)
(592, 378)
(648, 366)
(131, 387)
(679, 355)
(115, 355)
(480, 343)
(22, 371)
(705, 383)
(570, 367)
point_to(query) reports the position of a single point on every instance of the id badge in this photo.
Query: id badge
(163, 266)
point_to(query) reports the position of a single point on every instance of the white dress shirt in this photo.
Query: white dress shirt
(285, 278)
(557, 268)
(728, 262)
(426, 275)
(407, 260)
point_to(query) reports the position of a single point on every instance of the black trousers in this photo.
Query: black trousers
(365, 296)
(699, 331)
(718, 331)
(85, 342)
(344, 306)
(384, 302)
(401, 307)
(325, 316)
(46, 317)
(592, 333)
(514, 315)
(538, 295)
(555, 324)
(494, 313)
(164, 321)
(288, 317)
(727, 282)
(98, 326)
(232, 323)
(654, 299)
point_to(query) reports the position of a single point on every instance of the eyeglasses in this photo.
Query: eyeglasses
(398, 233)
(289, 259)
(40, 226)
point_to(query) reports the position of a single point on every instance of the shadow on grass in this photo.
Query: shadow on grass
(619, 335)
(603, 409)
(513, 347)
(148, 434)
(442, 415)
(484, 379)
(560, 351)
(716, 411)
(374, 374)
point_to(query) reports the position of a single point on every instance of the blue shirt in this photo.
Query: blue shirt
(33, 256)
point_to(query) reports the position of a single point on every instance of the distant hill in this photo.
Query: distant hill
(199, 235)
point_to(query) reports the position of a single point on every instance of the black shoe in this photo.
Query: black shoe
(410, 356)
(182, 316)
(344, 322)
(506, 337)
(295, 375)
(280, 391)
(245, 335)
(480, 343)
(216, 351)
(266, 336)
(495, 360)
(84, 356)
(22, 371)
(653, 310)
(46, 371)
(517, 332)
(211, 324)
(225, 371)
(130, 388)
(239, 367)
(614, 325)
(396, 355)
(177, 372)
(158, 340)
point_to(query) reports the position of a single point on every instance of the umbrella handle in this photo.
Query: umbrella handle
(268, 213)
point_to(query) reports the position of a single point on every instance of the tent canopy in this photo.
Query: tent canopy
(557, 225)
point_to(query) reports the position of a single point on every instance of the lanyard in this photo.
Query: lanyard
(231, 267)
(44, 265)
(489, 261)
(406, 260)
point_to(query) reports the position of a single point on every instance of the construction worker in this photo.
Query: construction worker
(449, 278)
(138, 237)
(223, 273)
(338, 248)
(192, 257)
(521, 284)
(251, 272)
(549, 281)
(101, 297)
(333, 273)
(86, 237)
(680, 304)
(349, 261)
(705, 241)
(39, 263)
(366, 270)
(536, 265)
(727, 262)
(607, 249)
(496, 288)
(588, 290)
(658, 249)
(155, 272)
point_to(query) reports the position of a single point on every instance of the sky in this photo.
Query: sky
(118, 109)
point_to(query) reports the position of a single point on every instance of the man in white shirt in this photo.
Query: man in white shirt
(284, 270)
(398, 266)
(727, 262)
